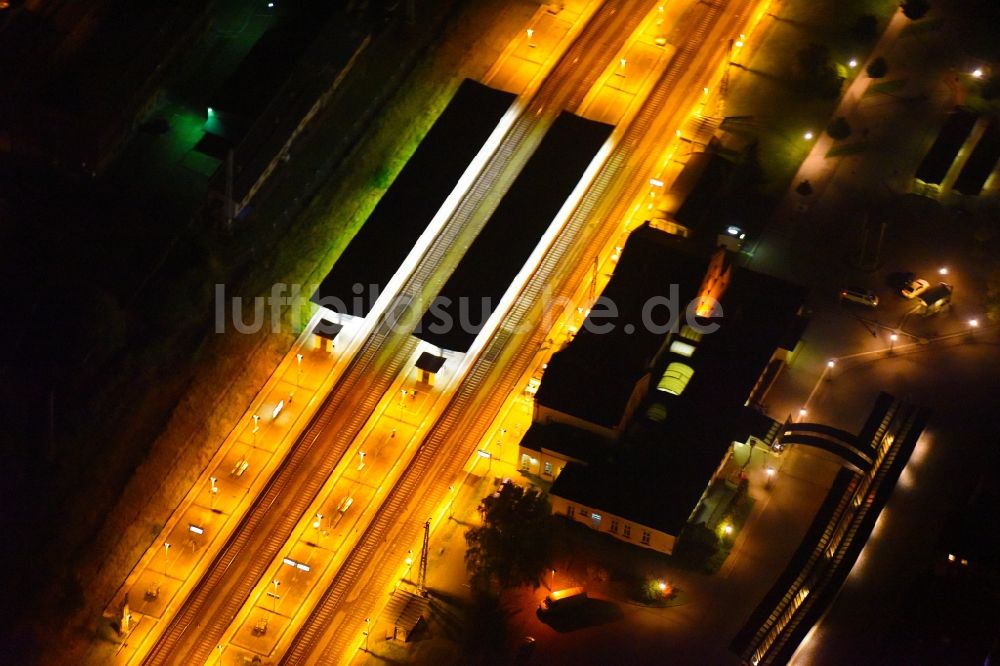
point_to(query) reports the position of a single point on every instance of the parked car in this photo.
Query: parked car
(859, 295)
(936, 298)
(914, 287)
(563, 599)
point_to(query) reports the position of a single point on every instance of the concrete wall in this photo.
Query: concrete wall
(613, 525)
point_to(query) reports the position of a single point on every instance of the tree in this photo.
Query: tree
(877, 68)
(916, 9)
(514, 543)
(816, 72)
(839, 128)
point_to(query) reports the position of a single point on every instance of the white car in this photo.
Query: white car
(914, 288)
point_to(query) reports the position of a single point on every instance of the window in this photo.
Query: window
(682, 348)
(614, 526)
(570, 512)
(548, 468)
(675, 378)
(595, 520)
(689, 333)
(525, 461)
(627, 531)
(645, 537)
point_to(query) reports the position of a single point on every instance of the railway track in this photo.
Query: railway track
(333, 625)
(193, 633)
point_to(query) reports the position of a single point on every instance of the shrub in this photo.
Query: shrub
(839, 128)
(916, 9)
(878, 68)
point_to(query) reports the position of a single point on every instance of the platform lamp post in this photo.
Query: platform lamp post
(367, 631)
(298, 373)
(166, 558)
(276, 583)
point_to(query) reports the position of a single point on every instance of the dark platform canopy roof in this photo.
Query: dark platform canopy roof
(407, 207)
(504, 245)
(936, 163)
(429, 362)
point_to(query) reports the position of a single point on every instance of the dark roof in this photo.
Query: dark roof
(935, 293)
(327, 329)
(645, 496)
(502, 248)
(981, 162)
(430, 362)
(953, 134)
(565, 440)
(407, 207)
(270, 60)
(593, 377)
(669, 464)
(701, 422)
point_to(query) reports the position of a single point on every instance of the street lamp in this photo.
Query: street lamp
(802, 412)
(973, 323)
(977, 73)
(852, 63)
(770, 476)
(808, 136)
(892, 340)
(943, 270)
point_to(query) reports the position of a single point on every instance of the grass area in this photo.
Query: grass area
(923, 26)
(843, 149)
(885, 87)
(763, 87)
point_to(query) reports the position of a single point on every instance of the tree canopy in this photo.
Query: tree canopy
(878, 68)
(839, 128)
(916, 9)
(513, 545)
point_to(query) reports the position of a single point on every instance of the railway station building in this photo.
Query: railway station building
(632, 424)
